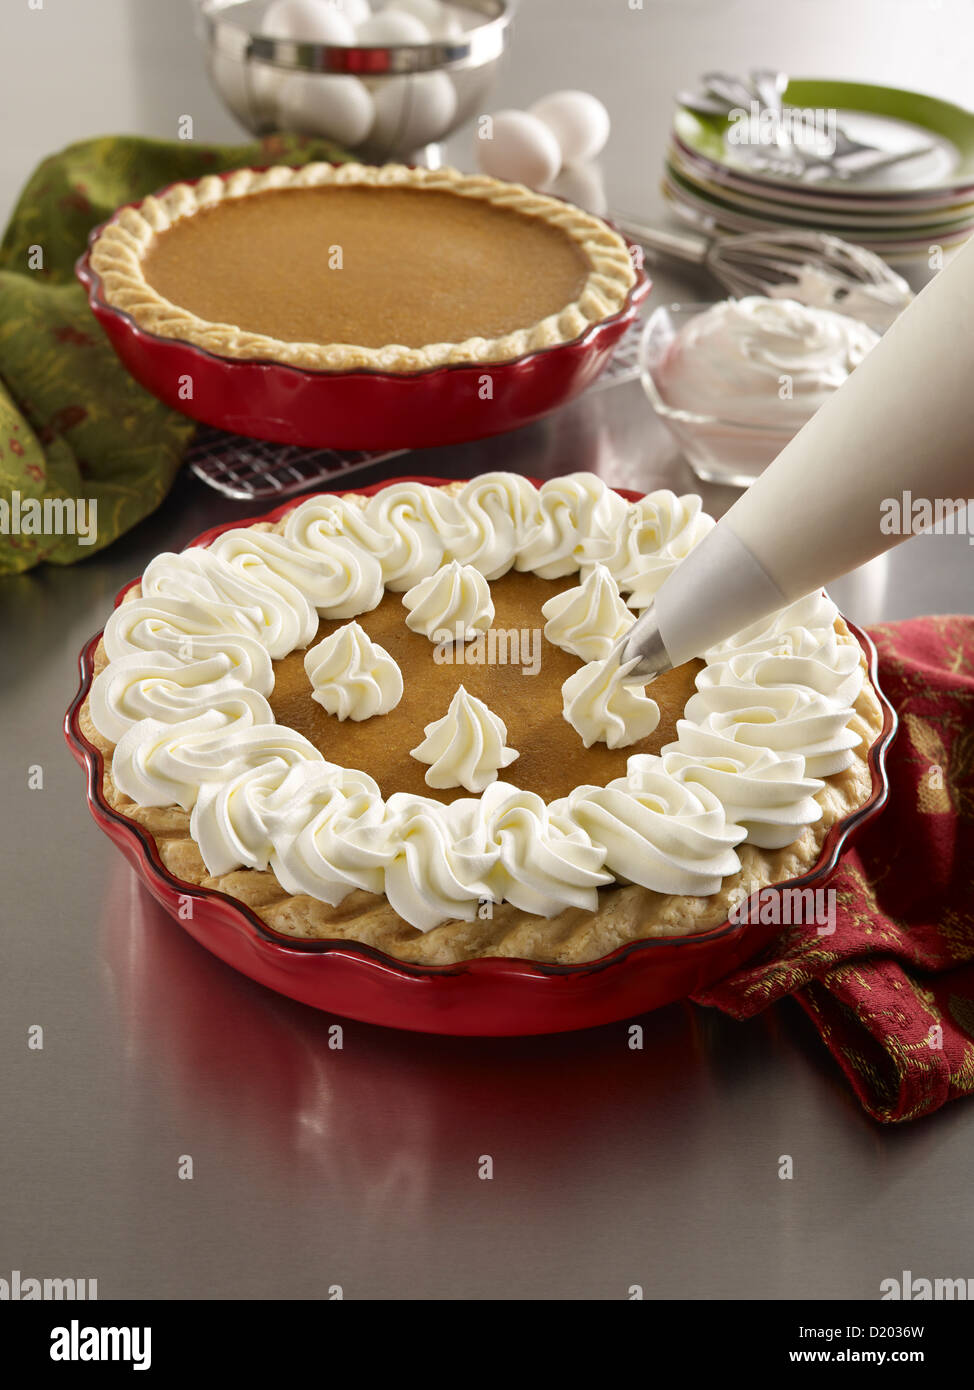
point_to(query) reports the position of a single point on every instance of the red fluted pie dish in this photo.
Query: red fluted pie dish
(487, 996)
(361, 408)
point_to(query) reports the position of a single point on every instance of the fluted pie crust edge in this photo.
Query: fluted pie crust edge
(117, 252)
(625, 912)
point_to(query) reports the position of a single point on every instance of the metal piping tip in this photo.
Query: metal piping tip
(642, 643)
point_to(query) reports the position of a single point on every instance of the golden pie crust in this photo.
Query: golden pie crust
(625, 913)
(433, 267)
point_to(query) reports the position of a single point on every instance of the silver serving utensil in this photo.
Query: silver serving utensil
(847, 159)
(725, 87)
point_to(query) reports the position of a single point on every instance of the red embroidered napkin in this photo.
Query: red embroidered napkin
(892, 990)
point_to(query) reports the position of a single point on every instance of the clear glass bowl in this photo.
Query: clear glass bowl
(732, 452)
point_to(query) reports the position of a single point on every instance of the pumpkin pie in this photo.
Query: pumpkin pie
(396, 720)
(345, 267)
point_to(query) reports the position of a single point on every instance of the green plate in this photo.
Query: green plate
(712, 218)
(950, 127)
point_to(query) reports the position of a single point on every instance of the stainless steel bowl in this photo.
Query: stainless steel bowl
(417, 93)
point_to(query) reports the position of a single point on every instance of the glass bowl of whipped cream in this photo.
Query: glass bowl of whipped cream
(735, 381)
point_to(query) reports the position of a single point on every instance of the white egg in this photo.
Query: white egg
(447, 27)
(355, 11)
(428, 12)
(583, 185)
(438, 18)
(578, 121)
(412, 111)
(521, 149)
(391, 27)
(336, 107)
(308, 21)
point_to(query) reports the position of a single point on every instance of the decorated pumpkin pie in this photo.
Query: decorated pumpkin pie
(343, 267)
(402, 720)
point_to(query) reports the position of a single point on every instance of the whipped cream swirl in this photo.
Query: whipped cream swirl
(160, 764)
(590, 619)
(188, 631)
(336, 576)
(765, 792)
(664, 834)
(351, 676)
(254, 818)
(329, 841)
(432, 873)
(265, 603)
(660, 530)
(467, 747)
(603, 707)
(419, 523)
(579, 523)
(314, 525)
(729, 360)
(498, 510)
(786, 719)
(543, 862)
(160, 686)
(798, 645)
(453, 603)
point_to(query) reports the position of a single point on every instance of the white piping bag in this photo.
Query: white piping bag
(902, 422)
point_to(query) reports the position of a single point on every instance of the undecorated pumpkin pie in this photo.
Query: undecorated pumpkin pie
(401, 720)
(343, 267)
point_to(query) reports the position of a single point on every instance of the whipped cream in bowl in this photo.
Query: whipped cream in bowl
(735, 381)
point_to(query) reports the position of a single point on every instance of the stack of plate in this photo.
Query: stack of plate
(721, 185)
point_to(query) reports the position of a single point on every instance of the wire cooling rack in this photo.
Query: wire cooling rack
(254, 469)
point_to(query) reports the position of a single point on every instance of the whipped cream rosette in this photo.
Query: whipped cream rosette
(351, 676)
(589, 619)
(467, 747)
(602, 707)
(454, 602)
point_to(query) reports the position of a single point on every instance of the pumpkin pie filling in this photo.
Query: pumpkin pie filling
(552, 759)
(368, 266)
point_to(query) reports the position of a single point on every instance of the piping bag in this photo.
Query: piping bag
(902, 422)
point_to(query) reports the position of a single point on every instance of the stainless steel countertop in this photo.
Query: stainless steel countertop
(358, 1167)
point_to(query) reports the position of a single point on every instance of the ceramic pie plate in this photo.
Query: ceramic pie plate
(360, 409)
(488, 996)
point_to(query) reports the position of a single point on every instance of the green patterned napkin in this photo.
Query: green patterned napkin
(73, 424)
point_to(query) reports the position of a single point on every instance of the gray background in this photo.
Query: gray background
(315, 1167)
